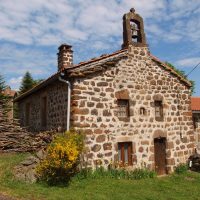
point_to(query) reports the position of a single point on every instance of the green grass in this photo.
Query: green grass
(184, 186)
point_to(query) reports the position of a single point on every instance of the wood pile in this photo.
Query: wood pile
(14, 138)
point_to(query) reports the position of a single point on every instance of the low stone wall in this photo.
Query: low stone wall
(26, 170)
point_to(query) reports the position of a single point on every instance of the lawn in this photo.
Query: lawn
(173, 187)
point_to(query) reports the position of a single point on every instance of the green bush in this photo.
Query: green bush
(114, 174)
(181, 169)
(62, 158)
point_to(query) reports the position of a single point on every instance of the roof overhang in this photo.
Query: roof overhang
(181, 78)
(38, 87)
(196, 111)
(80, 70)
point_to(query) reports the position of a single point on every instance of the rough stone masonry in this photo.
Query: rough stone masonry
(143, 81)
(131, 76)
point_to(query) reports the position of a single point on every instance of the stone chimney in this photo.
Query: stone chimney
(65, 57)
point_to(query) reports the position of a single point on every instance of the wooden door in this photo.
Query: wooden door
(160, 155)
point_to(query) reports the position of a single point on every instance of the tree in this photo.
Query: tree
(4, 99)
(27, 83)
(182, 73)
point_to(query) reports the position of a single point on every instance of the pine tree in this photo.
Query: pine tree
(4, 99)
(27, 83)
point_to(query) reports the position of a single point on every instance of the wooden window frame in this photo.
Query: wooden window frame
(121, 156)
(123, 103)
(159, 109)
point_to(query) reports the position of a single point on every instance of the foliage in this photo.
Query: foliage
(15, 111)
(115, 173)
(28, 82)
(183, 74)
(193, 86)
(4, 99)
(2, 84)
(168, 187)
(62, 158)
(181, 169)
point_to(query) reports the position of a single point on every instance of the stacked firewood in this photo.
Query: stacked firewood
(14, 138)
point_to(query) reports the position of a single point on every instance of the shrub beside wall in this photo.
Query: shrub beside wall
(62, 158)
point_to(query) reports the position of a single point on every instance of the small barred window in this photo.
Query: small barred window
(123, 108)
(142, 111)
(158, 111)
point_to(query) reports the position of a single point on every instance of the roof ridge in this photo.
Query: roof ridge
(103, 56)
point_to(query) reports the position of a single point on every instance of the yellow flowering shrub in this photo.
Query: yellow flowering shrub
(62, 158)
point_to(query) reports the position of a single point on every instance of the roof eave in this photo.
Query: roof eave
(181, 78)
(37, 87)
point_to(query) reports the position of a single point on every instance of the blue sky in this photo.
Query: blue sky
(31, 31)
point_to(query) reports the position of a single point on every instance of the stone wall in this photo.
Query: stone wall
(94, 108)
(197, 131)
(11, 94)
(56, 95)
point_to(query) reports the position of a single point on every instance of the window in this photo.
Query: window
(158, 111)
(142, 111)
(44, 112)
(196, 120)
(123, 108)
(27, 114)
(125, 153)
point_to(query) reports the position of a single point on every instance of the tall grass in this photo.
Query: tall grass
(114, 174)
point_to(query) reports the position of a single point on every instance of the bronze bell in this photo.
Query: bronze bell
(134, 30)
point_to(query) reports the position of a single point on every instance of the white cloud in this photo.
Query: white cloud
(14, 83)
(91, 26)
(48, 22)
(15, 61)
(188, 62)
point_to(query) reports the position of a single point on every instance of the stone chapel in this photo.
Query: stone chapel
(133, 108)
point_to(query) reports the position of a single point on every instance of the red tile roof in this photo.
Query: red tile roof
(195, 103)
(9, 92)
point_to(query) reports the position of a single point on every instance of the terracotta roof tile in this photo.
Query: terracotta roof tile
(195, 103)
(9, 92)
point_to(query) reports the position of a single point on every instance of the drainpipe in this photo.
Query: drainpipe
(68, 100)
